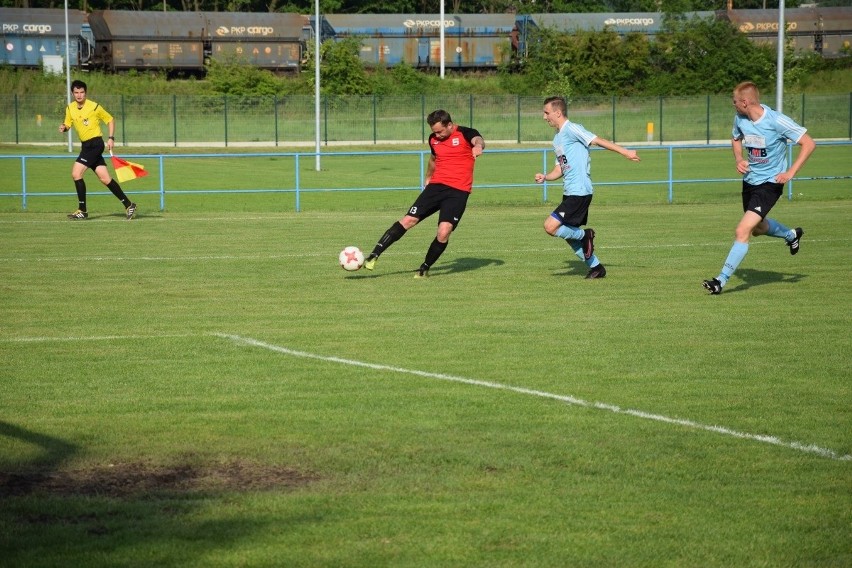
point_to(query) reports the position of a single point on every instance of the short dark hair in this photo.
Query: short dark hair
(437, 116)
(558, 103)
(78, 84)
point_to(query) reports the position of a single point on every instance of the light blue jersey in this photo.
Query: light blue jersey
(765, 141)
(571, 145)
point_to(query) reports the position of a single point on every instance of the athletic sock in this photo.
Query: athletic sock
(569, 233)
(80, 186)
(735, 257)
(778, 230)
(392, 235)
(116, 191)
(577, 247)
(436, 249)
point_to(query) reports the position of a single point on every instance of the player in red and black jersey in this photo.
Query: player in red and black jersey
(449, 180)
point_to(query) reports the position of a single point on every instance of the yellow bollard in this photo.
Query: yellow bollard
(38, 120)
(650, 132)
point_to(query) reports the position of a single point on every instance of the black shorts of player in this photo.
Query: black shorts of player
(574, 210)
(761, 198)
(451, 203)
(92, 153)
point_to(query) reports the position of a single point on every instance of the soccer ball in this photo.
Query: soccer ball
(351, 258)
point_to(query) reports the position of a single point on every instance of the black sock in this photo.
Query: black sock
(116, 191)
(80, 186)
(392, 235)
(436, 249)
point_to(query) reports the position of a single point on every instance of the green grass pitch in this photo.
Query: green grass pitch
(204, 386)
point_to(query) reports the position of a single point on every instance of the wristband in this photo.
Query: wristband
(112, 137)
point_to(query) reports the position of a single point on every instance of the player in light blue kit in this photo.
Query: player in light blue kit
(764, 133)
(574, 165)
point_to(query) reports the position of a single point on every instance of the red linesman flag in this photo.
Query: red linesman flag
(126, 171)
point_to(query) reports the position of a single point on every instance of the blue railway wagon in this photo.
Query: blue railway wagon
(29, 34)
(266, 40)
(470, 40)
(827, 31)
(129, 39)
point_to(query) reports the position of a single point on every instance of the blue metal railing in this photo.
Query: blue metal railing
(546, 156)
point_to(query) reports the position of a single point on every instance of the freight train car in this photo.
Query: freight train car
(827, 31)
(646, 23)
(470, 40)
(34, 34)
(185, 41)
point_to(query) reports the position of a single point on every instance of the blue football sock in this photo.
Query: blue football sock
(569, 233)
(778, 230)
(735, 257)
(577, 247)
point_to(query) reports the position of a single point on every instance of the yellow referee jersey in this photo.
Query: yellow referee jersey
(87, 120)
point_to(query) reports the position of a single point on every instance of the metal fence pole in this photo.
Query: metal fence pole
(275, 112)
(17, 135)
(225, 117)
(123, 123)
(661, 120)
(708, 119)
(613, 118)
(671, 171)
(174, 117)
(162, 184)
(298, 181)
(23, 182)
(518, 104)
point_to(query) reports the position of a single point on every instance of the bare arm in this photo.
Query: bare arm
(606, 144)
(553, 174)
(740, 162)
(807, 148)
(478, 144)
(430, 169)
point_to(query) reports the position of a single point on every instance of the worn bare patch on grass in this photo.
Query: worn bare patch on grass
(129, 479)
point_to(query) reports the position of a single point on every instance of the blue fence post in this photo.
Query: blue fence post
(162, 185)
(23, 182)
(422, 169)
(671, 174)
(790, 161)
(298, 205)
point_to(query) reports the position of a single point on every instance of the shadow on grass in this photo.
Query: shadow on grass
(751, 277)
(54, 515)
(454, 266)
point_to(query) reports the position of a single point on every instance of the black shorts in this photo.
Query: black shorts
(451, 203)
(574, 210)
(92, 153)
(761, 198)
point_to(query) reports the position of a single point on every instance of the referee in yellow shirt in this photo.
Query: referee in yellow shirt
(86, 116)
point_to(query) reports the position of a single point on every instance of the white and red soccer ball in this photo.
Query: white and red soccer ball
(351, 258)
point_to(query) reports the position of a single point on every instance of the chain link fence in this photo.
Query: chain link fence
(189, 121)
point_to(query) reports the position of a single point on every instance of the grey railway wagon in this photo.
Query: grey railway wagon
(187, 40)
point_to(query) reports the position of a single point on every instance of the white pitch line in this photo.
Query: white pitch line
(799, 446)
(46, 339)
